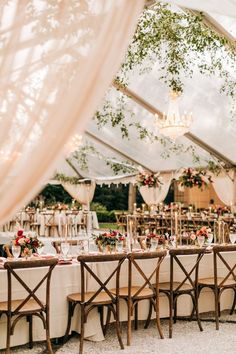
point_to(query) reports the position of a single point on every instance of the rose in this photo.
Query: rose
(21, 241)
(20, 233)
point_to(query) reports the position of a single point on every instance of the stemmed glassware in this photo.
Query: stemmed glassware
(65, 248)
(200, 240)
(232, 238)
(16, 250)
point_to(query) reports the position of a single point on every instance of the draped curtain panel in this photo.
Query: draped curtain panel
(82, 192)
(225, 188)
(57, 59)
(155, 195)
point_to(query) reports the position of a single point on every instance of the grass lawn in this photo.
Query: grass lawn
(109, 226)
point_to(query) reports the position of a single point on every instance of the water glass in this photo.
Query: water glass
(119, 246)
(210, 238)
(201, 240)
(154, 244)
(16, 250)
(65, 248)
(232, 238)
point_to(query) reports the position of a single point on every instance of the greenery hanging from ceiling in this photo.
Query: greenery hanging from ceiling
(180, 42)
(88, 150)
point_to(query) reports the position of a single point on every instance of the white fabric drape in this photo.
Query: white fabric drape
(226, 7)
(224, 187)
(155, 195)
(56, 61)
(82, 192)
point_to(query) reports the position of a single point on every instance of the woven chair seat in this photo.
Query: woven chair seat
(101, 298)
(145, 293)
(166, 286)
(30, 306)
(210, 281)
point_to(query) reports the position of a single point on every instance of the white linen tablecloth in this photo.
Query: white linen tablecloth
(66, 280)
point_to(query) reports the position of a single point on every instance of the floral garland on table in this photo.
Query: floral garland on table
(194, 178)
(147, 179)
(28, 243)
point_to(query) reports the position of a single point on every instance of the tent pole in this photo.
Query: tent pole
(131, 197)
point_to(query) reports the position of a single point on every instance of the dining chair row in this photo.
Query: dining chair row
(111, 289)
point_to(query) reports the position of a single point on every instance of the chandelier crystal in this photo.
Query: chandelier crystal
(173, 124)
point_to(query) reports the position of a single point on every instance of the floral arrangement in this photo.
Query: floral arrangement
(28, 243)
(194, 178)
(108, 238)
(203, 232)
(160, 239)
(148, 179)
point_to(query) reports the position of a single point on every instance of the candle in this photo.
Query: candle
(66, 232)
(176, 223)
(143, 207)
(135, 206)
(219, 233)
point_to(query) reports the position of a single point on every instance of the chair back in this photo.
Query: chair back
(189, 275)
(12, 268)
(86, 267)
(220, 253)
(154, 270)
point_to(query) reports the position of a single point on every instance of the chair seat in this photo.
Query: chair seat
(145, 293)
(30, 306)
(210, 282)
(101, 298)
(166, 286)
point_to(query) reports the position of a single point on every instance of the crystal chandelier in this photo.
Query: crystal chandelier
(173, 124)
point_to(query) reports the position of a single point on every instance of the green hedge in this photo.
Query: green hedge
(106, 216)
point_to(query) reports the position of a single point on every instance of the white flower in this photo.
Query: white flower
(21, 241)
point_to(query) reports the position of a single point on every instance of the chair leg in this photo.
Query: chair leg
(149, 315)
(136, 316)
(129, 304)
(195, 307)
(216, 307)
(158, 322)
(82, 318)
(234, 303)
(8, 334)
(30, 320)
(49, 345)
(175, 308)
(117, 321)
(107, 321)
(70, 315)
(101, 315)
(170, 315)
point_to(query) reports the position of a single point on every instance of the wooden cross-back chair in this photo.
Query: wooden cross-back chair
(187, 286)
(218, 284)
(99, 298)
(133, 294)
(31, 305)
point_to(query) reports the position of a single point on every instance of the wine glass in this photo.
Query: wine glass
(173, 240)
(65, 248)
(201, 240)
(210, 238)
(40, 250)
(16, 251)
(232, 238)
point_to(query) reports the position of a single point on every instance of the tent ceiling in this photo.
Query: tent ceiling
(225, 7)
(211, 111)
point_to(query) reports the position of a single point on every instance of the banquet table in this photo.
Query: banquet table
(66, 280)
